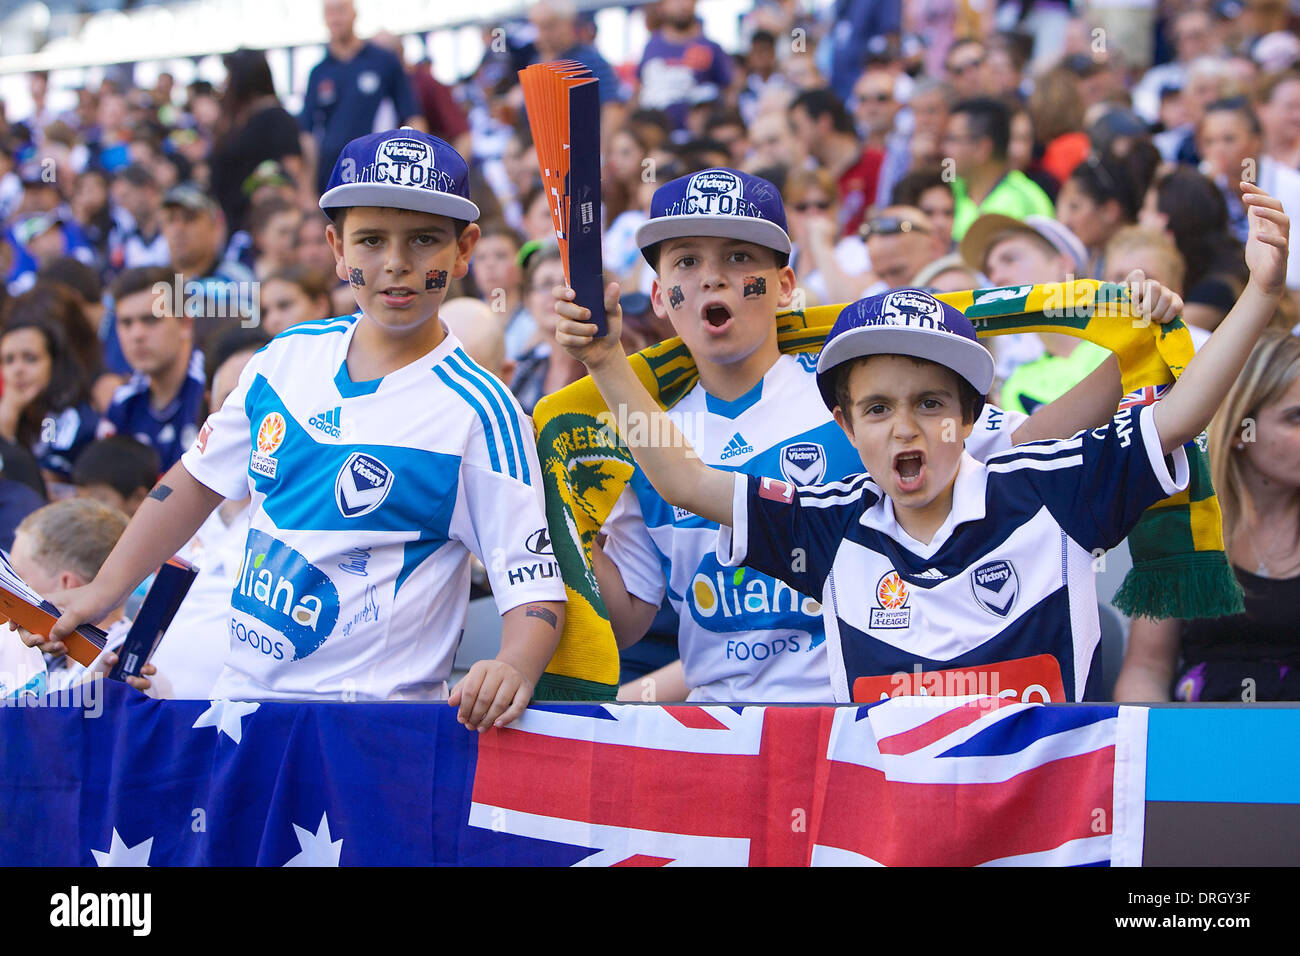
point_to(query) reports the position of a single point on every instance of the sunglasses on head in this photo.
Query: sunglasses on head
(891, 226)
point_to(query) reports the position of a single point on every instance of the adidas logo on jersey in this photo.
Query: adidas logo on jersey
(931, 574)
(737, 446)
(328, 422)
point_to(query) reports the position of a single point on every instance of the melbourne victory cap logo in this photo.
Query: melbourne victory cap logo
(916, 309)
(714, 192)
(403, 161)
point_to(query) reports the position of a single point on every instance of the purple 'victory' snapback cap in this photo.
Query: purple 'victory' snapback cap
(717, 202)
(904, 322)
(401, 169)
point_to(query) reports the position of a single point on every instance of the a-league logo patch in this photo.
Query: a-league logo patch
(995, 586)
(803, 463)
(891, 598)
(362, 485)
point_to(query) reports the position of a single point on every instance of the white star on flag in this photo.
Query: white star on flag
(317, 849)
(119, 854)
(227, 716)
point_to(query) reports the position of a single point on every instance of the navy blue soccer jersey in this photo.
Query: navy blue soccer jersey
(169, 431)
(1002, 600)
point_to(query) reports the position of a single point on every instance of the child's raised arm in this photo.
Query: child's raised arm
(666, 458)
(1192, 402)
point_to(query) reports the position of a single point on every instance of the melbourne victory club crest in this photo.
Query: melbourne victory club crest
(270, 434)
(404, 161)
(362, 485)
(803, 463)
(995, 586)
(891, 600)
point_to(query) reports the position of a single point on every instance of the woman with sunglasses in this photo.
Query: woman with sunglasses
(1103, 195)
(832, 269)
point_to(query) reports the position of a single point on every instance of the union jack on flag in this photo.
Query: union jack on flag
(905, 781)
(1148, 395)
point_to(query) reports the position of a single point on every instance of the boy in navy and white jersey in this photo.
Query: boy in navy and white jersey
(745, 636)
(938, 561)
(742, 636)
(378, 457)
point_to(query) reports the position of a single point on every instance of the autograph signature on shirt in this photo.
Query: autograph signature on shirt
(369, 612)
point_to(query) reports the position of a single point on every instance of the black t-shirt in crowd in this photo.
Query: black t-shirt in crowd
(270, 133)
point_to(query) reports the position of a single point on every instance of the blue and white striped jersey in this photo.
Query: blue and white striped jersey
(1003, 594)
(744, 635)
(367, 500)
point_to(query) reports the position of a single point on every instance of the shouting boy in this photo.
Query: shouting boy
(931, 558)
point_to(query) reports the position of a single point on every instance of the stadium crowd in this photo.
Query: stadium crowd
(154, 239)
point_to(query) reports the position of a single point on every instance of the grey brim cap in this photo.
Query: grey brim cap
(748, 229)
(399, 197)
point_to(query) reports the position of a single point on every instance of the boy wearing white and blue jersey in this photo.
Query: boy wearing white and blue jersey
(933, 559)
(718, 243)
(378, 456)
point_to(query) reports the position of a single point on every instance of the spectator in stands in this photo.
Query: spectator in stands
(498, 277)
(1102, 195)
(443, 116)
(928, 191)
(976, 139)
(472, 322)
(118, 471)
(273, 225)
(162, 403)
(680, 66)
(292, 295)
(901, 241)
(143, 243)
(539, 370)
(1035, 369)
(929, 106)
(557, 39)
(831, 267)
(1209, 80)
(772, 142)
(1056, 110)
(857, 29)
(45, 406)
(97, 217)
(356, 88)
(821, 121)
(761, 75)
(1189, 208)
(22, 490)
(253, 127)
(1193, 37)
(194, 228)
(1229, 137)
(1255, 465)
(59, 547)
(1278, 106)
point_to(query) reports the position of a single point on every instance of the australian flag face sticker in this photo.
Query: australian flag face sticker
(803, 463)
(362, 485)
(995, 585)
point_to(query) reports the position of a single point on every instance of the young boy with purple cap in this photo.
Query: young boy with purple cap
(378, 456)
(978, 575)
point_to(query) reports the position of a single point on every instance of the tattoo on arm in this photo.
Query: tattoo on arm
(160, 492)
(546, 614)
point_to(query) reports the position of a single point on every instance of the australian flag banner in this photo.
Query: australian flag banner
(119, 779)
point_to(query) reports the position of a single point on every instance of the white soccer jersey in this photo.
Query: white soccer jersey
(744, 635)
(367, 500)
(1002, 600)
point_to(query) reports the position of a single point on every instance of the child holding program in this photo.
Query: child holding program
(932, 559)
(378, 456)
